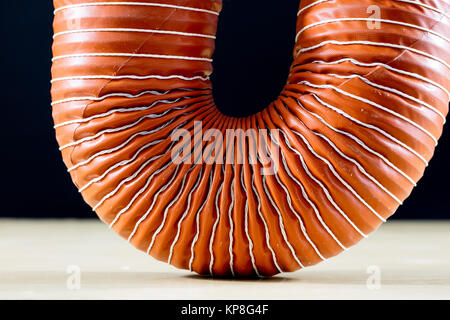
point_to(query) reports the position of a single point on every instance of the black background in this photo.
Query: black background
(254, 51)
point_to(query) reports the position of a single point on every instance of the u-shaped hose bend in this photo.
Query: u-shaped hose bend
(297, 183)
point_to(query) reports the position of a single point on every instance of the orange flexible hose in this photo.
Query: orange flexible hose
(297, 183)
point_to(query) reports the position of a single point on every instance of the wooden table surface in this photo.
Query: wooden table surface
(83, 259)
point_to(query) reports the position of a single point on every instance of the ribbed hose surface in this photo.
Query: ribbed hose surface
(325, 164)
